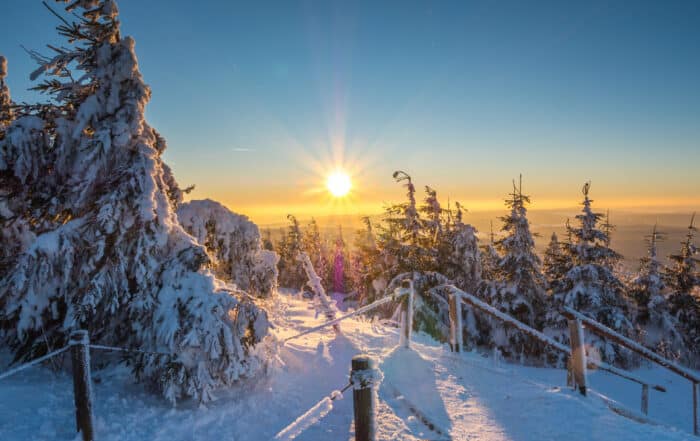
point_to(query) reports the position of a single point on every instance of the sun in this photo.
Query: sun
(338, 183)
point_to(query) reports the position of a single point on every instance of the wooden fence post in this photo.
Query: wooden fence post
(408, 322)
(362, 399)
(455, 323)
(82, 389)
(645, 399)
(569, 372)
(696, 431)
(578, 355)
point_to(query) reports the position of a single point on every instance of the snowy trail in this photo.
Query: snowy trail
(464, 395)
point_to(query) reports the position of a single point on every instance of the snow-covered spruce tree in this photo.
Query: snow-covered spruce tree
(234, 246)
(366, 267)
(315, 247)
(659, 328)
(555, 263)
(399, 235)
(341, 277)
(490, 258)
(683, 281)
(459, 256)
(591, 287)
(113, 259)
(291, 273)
(520, 288)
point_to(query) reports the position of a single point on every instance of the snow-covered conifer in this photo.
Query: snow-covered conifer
(366, 268)
(520, 289)
(291, 273)
(314, 246)
(659, 327)
(590, 286)
(110, 256)
(234, 246)
(341, 277)
(555, 263)
(490, 258)
(459, 256)
(683, 281)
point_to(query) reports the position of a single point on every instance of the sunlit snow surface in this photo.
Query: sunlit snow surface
(469, 397)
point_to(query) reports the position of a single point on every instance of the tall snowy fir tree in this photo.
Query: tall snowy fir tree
(291, 273)
(683, 282)
(459, 256)
(490, 258)
(106, 252)
(312, 244)
(555, 263)
(366, 265)
(520, 288)
(400, 233)
(339, 272)
(591, 287)
(659, 328)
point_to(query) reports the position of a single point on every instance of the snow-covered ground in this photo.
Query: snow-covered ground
(467, 396)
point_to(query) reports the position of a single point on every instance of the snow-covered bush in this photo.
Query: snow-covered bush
(105, 251)
(234, 245)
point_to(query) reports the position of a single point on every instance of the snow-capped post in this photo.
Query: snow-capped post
(578, 355)
(408, 313)
(455, 323)
(365, 378)
(82, 388)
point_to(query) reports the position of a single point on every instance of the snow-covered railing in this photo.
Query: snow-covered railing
(396, 295)
(312, 416)
(604, 331)
(578, 363)
(364, 379)
(79, 344)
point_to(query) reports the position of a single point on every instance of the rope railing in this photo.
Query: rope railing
(312, 416)
(138, 351)
(395, 296)
(34, 362)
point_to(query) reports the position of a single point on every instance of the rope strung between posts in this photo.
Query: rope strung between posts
(33, 362)
(140, 351)
(380, 302)
(311, 416)
(65, 348)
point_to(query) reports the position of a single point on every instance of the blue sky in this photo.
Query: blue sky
(258, 100)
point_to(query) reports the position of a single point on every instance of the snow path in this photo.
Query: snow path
(464, 395)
